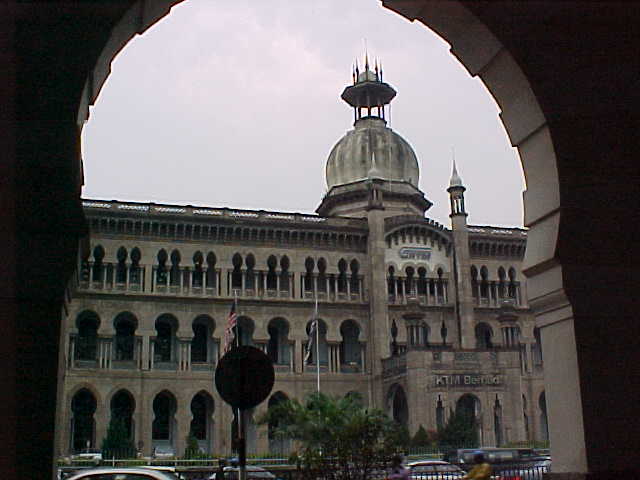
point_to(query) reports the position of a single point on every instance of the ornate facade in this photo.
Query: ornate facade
(417, 317)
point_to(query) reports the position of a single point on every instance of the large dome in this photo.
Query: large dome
(371, 150)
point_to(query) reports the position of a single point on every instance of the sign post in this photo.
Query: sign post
(244, 378)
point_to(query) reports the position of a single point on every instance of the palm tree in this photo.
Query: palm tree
(339, 438)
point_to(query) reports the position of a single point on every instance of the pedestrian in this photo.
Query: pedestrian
(398, 472)
(481, 469)
(220, 472)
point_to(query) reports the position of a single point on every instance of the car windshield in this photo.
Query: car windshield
(446, 468)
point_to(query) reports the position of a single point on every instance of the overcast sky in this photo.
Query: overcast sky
(237, 104)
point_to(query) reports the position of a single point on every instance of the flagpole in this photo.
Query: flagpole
(317, 345)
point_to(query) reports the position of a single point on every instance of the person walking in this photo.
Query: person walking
(480, 471)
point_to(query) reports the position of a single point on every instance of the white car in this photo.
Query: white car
(88, 454)
(233, 473)
(164, 451)
(434, 470)
(116, 473)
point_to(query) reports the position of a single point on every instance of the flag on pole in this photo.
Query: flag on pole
(313, 337)
(232, 321)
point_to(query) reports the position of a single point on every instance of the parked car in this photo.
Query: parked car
(87, 454)
(165, 469)
(434, 470)
(257, 473)
(115, 473)
(163, 451)
(532, 471)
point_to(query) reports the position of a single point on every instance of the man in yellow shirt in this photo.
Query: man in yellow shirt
(480, 471)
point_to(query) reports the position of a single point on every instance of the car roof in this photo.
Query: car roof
(155, 474)
(427, 462)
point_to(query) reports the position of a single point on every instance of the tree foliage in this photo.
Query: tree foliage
(460, 431)
(192, 450)
(422, 438)
(337, 436)
(117, 442)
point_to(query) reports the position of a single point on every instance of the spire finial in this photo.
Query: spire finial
(455, 181)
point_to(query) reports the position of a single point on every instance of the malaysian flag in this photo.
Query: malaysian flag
(313, 337)
(229, 332)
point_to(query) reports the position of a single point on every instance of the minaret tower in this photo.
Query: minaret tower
(460, 232)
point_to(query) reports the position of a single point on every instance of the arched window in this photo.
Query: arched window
(277, 444)
(355, 279)
(245, 327)
(174, 274)
(350, 349)
(512, 283)
(122, 408)
(323, 348)
(284, 274)
(202, 408)
(537, 348)
(85, 269)
(544, 424)
(121, 267)
(125, 325)
(272, 276)
(422, 281)
(161, 269)
(202, 342)
(197, 277)
(440, 286)
(410, 281)
(135, 277)
(484, 283)
(83, 406)
(236, 275)
(501, 282)
(391, 281)
(398, 406)
(322, 276)
(424, 333)
(525, 418)
(484, 335)
(211, 270)
(250, 275)
(163, 428)
(278, 348)
(342, 276)
(98, 266)
(474, 281)
(309, 265)
(497, 422)
(440, 421)
(87, 324)
(165, 342)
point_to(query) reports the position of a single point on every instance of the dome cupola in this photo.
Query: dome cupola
(371, 167)
(371, 149)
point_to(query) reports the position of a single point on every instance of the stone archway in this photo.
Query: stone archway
(577, 162)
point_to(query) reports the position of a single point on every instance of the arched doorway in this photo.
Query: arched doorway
(83, 428)
(277, 445)
(202, 408)
(397, 405)
(163, 429)
(468, 409)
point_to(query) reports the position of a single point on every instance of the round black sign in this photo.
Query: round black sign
(244, 377)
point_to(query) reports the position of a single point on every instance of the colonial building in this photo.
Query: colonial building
(417, 317)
